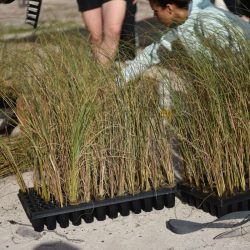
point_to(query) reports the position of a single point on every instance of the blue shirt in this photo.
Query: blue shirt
(203, 19)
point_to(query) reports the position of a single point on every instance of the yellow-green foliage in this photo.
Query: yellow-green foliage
(213, 120)
(89, 139)
(13, 151)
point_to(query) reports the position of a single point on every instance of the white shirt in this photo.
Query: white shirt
(204, 19)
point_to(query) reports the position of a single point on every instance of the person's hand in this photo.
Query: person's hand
(134, 2)
(246, 19)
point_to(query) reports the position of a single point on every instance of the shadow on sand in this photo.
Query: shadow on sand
(57, 245)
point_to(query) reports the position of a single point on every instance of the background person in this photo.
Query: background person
(103, 19)
(182, 17)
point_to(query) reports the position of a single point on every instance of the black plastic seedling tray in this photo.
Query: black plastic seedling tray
(40, 213)
(212, 204)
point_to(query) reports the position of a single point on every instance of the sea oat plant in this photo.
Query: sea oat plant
(11, 160)
(89, 139)
(212, 117)
(13, 150)
(13, 154)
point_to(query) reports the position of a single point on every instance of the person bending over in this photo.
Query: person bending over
(187, 20)
(103, 19)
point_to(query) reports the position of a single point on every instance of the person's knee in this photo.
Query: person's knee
(96, 39)
(113, 32)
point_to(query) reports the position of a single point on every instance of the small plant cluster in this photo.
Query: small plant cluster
(13, 155)
(13, 151)
(212, 118)
(89, 139)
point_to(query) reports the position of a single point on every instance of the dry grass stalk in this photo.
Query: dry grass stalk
(212, 118)
(88, 138)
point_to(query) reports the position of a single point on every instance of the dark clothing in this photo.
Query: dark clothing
(233, 6)
(84, 5)
(127, 48)
(245, 7)
(238, 7)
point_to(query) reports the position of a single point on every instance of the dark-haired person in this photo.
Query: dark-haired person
(103, 19)
(187, 20)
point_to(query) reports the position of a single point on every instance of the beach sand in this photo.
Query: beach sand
(146, 231)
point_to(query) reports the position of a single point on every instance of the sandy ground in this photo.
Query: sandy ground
(136, 232)
(145, 231)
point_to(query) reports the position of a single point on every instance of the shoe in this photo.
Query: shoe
(33, 11)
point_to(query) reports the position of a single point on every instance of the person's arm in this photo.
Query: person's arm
(148, 57)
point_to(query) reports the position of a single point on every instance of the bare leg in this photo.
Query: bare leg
(94, 24)
(113, 16)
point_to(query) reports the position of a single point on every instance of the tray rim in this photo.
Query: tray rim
(91, 205)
